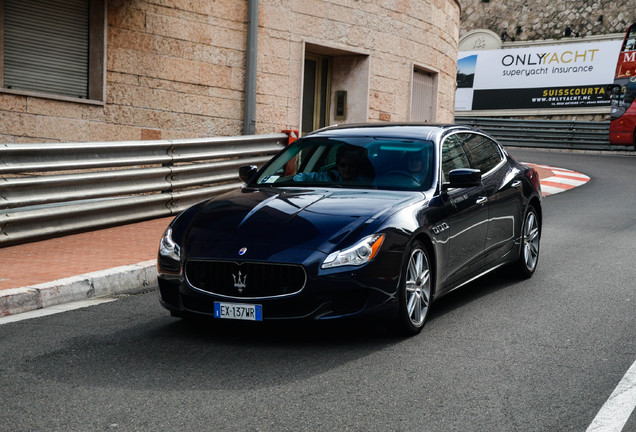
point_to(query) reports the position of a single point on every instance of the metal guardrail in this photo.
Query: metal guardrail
(53, 189)
(559, 134)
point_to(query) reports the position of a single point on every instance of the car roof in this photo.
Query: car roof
(425, 131)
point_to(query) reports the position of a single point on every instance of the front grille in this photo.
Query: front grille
(245, 280)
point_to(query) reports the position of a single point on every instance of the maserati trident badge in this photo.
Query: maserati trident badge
(242, 251)
(240, 282)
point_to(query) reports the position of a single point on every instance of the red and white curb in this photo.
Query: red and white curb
(560, 179)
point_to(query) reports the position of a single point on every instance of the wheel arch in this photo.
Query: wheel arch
(536, 203)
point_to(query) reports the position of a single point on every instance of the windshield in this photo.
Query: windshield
(622, 96)
(363, 162)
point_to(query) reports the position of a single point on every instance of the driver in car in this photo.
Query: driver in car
(350, 163)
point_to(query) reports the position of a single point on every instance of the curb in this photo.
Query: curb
(118, 280)
(560, 179)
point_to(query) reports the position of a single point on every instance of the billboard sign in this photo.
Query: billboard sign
(557, 76)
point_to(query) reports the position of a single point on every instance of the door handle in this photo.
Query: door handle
(481, 200)
(516, 183)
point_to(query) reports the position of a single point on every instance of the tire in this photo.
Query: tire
(530, 239)
(415, 290)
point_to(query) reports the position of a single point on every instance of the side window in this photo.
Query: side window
(482, 152)
(453, 155)
(630, 92)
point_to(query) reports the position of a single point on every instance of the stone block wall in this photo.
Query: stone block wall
(395, 34)
(176, 68)
(523, 20)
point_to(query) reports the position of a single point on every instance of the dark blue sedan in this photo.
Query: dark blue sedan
(360, 219)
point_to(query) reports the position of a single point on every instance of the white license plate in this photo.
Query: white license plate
(240, 311)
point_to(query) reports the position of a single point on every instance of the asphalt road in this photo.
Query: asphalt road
(499, 355)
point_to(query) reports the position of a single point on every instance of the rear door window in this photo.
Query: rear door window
(482, 152)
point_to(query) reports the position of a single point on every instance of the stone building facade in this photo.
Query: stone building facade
(166, 69)
(523, 20)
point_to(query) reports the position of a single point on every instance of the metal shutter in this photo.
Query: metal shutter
(46, 45)
(422, 97)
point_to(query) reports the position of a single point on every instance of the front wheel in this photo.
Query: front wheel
(530, 236)
(415, 290)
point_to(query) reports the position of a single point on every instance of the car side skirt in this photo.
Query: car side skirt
(452, 288)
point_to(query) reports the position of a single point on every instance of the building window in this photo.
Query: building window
(53, 48)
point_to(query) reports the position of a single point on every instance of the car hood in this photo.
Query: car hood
(270, 221)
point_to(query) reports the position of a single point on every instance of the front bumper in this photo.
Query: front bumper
(329, 294)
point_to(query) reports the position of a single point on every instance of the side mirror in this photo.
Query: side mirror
(246, 172)
(463, 178)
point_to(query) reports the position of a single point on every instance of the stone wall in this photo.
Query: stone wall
(523, 20)
(396, 35)
(176, 68)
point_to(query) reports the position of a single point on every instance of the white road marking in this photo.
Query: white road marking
(570, 174)
(619, 407)
(51, 310)
(550, 190)
(563, 180)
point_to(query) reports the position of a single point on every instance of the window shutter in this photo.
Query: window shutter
(46, 45)
(422, 97)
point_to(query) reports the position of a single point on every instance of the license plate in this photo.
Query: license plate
(239, 311)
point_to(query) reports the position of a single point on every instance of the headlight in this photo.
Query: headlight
(169, 253)
(360, 253)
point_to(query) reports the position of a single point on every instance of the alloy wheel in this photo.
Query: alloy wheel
(418, 287)
(531, 241)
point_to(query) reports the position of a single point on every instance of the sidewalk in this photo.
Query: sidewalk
(108, 261)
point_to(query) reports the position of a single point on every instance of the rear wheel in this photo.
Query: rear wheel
(415, 290)
(530, 237)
